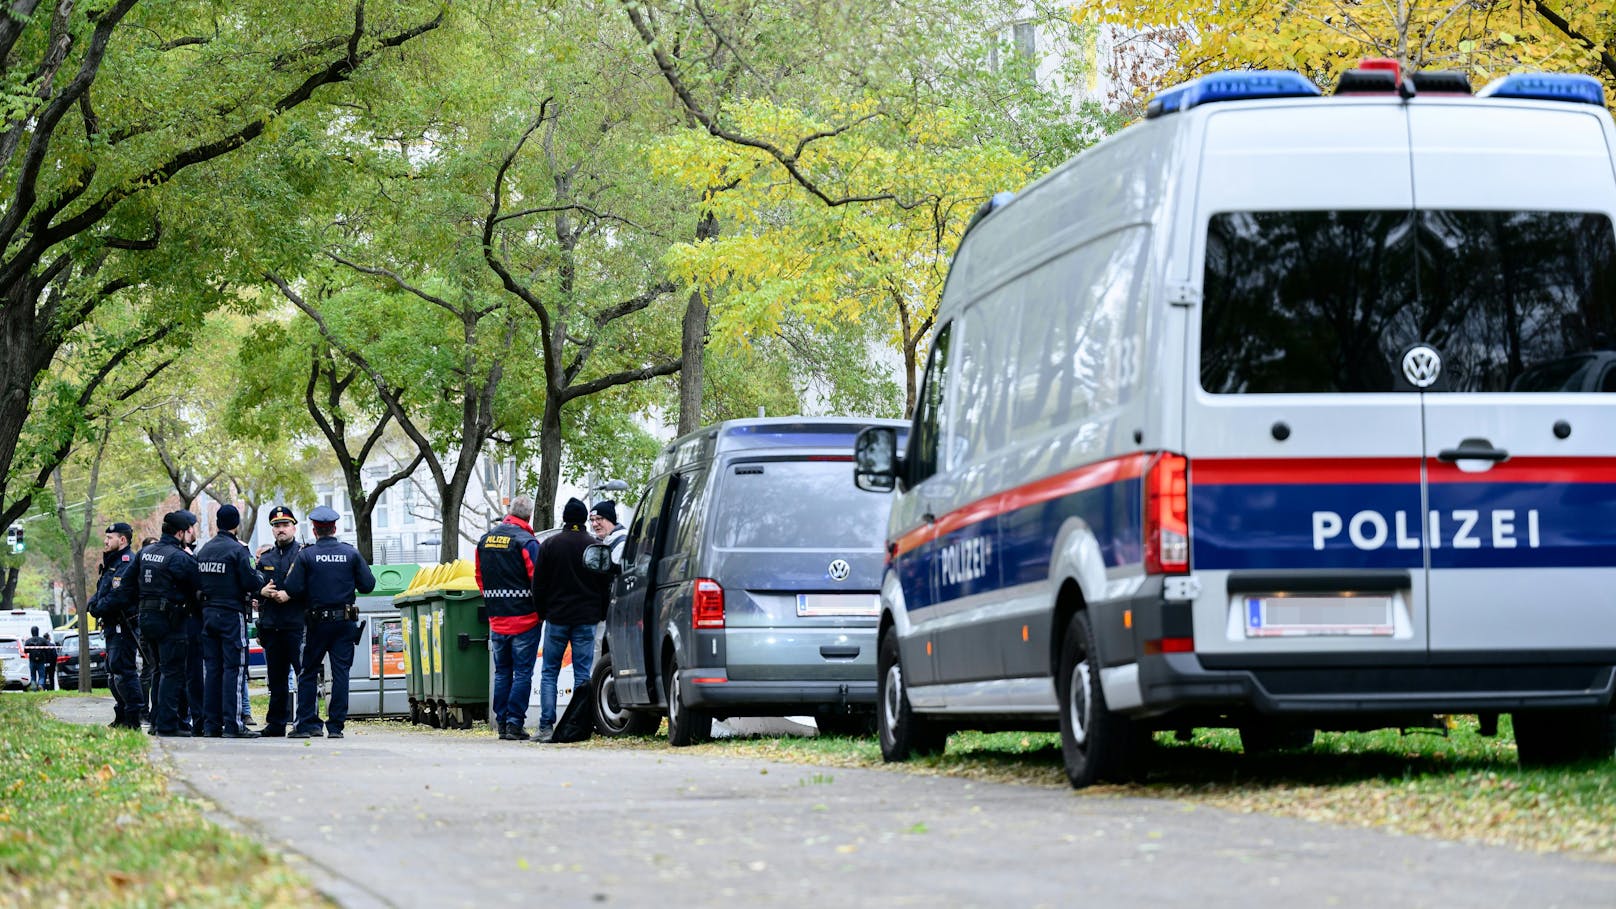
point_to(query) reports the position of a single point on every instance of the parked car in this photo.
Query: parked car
(749, 584)
(67, 661)
(14, 664)
(257, 668)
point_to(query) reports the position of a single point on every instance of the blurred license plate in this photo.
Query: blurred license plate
(1283, 616)
(844, 604)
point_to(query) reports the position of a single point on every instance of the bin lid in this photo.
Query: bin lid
(459, 575)
(393, 579)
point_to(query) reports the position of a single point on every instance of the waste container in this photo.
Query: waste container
(446, 646)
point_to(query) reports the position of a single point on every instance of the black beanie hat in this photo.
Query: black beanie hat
(574, 512)
(607, 509)
(228, 517)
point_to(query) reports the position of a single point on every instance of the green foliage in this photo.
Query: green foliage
(85, 818)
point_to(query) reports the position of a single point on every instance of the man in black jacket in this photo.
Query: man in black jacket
(123, 674)
(227, 580)
(572, 601)
(163, 586)
(280, 619)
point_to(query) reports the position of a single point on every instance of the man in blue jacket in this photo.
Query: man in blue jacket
(281, 619)
(227, 580)
(329, 574)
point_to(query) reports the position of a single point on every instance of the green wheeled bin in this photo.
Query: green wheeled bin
(446, 646)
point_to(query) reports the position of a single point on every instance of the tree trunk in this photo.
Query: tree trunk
(362, 506)
(693, 345)
(9, 591)
(909, 377)
(16, 384)
(453, 498)
(544, 500)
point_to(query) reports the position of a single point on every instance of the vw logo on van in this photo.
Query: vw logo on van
(839, 570)
(1421, 365)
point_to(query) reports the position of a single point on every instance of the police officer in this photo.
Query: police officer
(163, 585)
(228, 579)
(329, 573)
(280, 618)
(123, 675)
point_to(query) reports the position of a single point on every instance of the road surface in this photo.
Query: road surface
(389, 817)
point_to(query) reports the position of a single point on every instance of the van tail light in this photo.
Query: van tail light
(708, 608)
(1167, 514)
(62, 658)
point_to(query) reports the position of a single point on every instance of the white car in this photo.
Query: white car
(13, 665)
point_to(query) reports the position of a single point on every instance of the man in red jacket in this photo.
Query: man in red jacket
(506, 557)
(572, 600)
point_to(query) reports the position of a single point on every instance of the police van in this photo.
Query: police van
(1277, 412)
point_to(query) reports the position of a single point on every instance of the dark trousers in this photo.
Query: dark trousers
(123, 676)
(223, 631)
(336, 640)
(164, 634)
(148, 672)
(283, 655)
(191, 700)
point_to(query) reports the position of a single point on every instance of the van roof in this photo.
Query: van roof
(783, 433)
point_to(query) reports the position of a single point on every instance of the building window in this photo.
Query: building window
(1026, 40)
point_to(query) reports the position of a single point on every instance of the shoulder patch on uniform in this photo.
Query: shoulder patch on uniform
(124, 559)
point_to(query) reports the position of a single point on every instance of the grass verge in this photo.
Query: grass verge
(86, 819)
(1455, 785)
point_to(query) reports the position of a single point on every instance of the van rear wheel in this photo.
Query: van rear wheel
(685, 726)
(901, 731)
(1096, 744)
(611, 717)
(1549, 737)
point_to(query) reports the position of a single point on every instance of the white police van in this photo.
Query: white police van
(1276, 412)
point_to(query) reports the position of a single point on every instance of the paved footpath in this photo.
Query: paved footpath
(398, 818)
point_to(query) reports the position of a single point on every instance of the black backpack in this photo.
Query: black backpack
(577, 722)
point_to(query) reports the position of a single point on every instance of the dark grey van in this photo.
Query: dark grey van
(750, 584)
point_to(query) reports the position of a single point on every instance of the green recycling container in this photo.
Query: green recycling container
(446, 646)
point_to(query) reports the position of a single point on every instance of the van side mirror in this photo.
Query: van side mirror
(598, 558)
(875, 459)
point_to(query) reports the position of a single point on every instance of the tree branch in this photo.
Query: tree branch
(380, 272)
(620, 378)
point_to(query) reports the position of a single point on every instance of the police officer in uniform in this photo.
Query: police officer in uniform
(228, 579)
(330, 574)
(123, 675)
(163, 586)
(280, 619)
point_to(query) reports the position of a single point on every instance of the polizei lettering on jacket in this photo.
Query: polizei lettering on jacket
(1461, 528)
(964, 561)
(341, 559)
(212, 567)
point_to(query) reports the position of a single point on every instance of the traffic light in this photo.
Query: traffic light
(14, 538)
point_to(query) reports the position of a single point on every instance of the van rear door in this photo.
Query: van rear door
(1304, 448)
(1518, 287)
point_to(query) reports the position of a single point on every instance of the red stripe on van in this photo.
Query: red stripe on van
(1530, 470)
(1091, 476)
(1299, 471)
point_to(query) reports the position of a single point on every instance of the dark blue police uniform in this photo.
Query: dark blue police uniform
(163, 585)
(280, 628)
(329, 574)
(227, 580)
(123, 673)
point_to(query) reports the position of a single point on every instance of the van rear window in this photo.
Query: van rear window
(1328, 301)
(798, 505)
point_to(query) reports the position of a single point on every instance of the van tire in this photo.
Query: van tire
(902, 732)
(1550, 737)
(612, 719)
(685, 726)
(1096, 744)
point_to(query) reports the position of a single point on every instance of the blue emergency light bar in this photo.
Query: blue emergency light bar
(1236, 86)
(1547, 87)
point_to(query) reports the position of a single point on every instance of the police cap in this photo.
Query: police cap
(121, 527)
(325, 514)
(281, 513)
